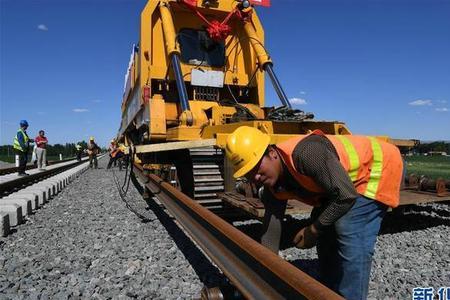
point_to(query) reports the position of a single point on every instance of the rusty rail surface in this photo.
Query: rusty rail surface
(253, 269)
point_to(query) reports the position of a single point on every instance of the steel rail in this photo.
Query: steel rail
(5, 171)
(253, 269)
(16, 184)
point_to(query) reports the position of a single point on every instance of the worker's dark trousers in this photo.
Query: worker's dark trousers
(113, 160)
(79, 155)
(93, 161)
(23, 159)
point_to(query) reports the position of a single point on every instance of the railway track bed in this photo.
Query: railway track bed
(22, 196)
(86, 244)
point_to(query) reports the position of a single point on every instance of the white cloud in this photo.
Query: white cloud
(97, 101)
(421, 102)
(442, 109)
(442, 101)
(42, 27)
(302, 93)
(41, 113)
(297, 101)
(80, 110)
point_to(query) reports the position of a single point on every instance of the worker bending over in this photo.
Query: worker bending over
(21, 146)
(350, 180)
(116, 152)
(93, 149)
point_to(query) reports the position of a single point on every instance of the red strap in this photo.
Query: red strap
(317, 132)
(265, 3)
(218, 31)
(191, 2)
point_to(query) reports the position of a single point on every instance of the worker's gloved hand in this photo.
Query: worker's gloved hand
(307, 237)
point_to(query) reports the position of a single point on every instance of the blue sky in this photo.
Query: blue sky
(382, 66)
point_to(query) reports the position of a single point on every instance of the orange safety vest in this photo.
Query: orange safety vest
(374, 166)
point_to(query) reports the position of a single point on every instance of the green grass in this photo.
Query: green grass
(430, 166)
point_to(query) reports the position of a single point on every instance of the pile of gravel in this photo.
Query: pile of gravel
(85, 244)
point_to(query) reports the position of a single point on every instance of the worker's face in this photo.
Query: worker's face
(267, 171)
(41, 133)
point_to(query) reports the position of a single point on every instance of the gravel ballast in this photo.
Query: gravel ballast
(412, 250)
(85, 244)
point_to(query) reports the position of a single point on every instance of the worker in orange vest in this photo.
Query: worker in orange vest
(350, 180)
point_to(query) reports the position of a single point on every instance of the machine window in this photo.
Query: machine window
(197, 48)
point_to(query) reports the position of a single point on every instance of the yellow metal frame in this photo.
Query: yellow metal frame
(245, 55)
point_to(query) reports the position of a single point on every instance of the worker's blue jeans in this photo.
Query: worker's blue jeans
(345, 249)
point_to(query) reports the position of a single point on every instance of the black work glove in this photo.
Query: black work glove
(307, 237)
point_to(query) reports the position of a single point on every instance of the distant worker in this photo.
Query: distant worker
(41, 151)
(93, 149)
(112, 149)
(121, 157)
(21, 146)
(350, 181)
(116, 153)
(78, 151)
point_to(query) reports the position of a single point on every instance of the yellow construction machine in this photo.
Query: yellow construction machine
(196, 74)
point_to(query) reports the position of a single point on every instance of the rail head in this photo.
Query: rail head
(256, 271)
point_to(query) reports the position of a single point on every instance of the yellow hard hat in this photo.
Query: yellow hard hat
(244, 148)
(91, 138)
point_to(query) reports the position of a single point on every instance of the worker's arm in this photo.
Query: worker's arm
(316, 157)
(272, 221)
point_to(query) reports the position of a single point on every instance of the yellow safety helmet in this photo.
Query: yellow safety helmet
(244, 148)
(91, 138)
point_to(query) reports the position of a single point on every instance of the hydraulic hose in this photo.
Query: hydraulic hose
(276, 85)
(181, 87)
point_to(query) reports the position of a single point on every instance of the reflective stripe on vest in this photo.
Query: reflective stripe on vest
(352, 157)
(377, 167)
(16, 144)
